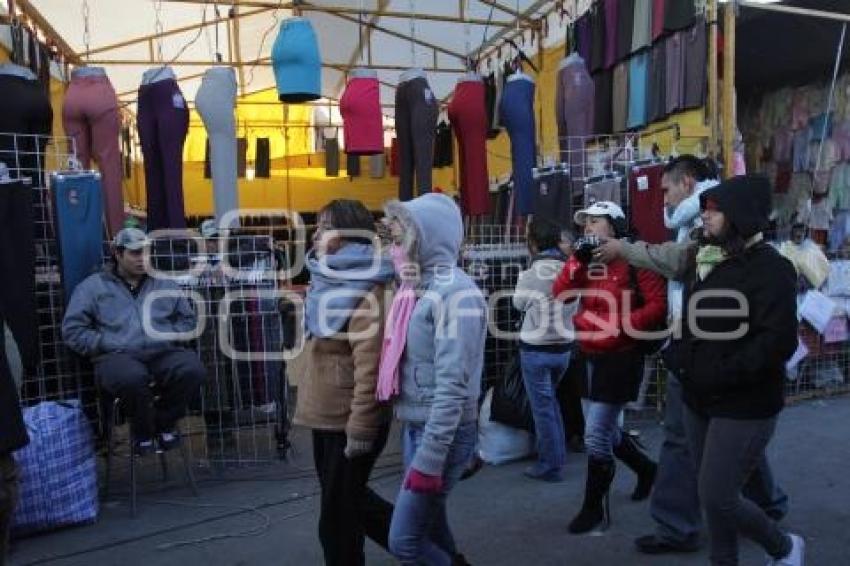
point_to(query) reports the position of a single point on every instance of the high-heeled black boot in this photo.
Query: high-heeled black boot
(631, 453)
(595, 510)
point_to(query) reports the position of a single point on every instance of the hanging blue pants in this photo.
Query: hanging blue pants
(78, 213)
(516, 111)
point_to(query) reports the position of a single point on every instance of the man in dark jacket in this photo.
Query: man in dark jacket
(13, 436)
(127, 322)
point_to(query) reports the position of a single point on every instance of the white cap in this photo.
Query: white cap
(209, 228)
(601, 208)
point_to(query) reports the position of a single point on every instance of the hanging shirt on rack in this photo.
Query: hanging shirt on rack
(646, 203)
(603, 91)
(679, 14)
(620, 110)
(443, 146)
(597, 42)
(675, 96)
(625, 26)
(584, 36)
(696, 65)
(611, 8)
(657, 82)
(642, 30)
(603, 190)
(638, 69)
(658, 19)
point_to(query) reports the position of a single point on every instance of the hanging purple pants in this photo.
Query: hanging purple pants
(163, 123)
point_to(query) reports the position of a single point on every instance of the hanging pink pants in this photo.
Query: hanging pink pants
(363, 124)
(468, 115)
(90, 117)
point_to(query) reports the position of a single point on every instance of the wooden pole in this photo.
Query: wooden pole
(729, 126)
(713, 86)
(237, 51)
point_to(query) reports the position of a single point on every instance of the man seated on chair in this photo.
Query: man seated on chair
(125, 320)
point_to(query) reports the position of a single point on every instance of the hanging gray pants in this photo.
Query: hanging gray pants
(215, 103)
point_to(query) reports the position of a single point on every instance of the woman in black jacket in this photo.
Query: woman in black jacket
(732, 362)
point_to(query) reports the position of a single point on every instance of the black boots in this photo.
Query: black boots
(594, 510)
(630, 452)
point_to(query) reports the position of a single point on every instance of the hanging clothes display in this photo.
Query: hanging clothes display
(625, 27)
(331, 153)
(296, 62)
(574, 111)
(606, 189)
(352, 165)
(25, 110)
(215, 103)
(377, 166)
(638, 81)
(517, 114)
(658, 14)
(468, 115)
(646, 203)
(77, 205)
(642, 30)
(620, 97)
(443, 146)
(360, 107)
(493, 85)
(163, 122)
(17, 263)
(611, 9)
(657, 105)
(598, 43)
(552, 196)
(416, 113)
(603, 91)
(262, 159)
(679, 14)
(241, 157)
(584, 36)
(696, 65)
(91, 118)
(675, 95)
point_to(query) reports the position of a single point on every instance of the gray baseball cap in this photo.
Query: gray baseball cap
(131, 239)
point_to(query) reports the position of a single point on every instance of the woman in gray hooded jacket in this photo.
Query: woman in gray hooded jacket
(440, 377)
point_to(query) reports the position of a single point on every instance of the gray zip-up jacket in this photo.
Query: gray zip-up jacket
(444, 357)
(103, 316)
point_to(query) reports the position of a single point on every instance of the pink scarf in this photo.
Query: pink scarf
(395, 333)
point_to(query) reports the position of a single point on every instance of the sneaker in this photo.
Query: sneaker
(144, 447)
(653, 544)
(795, 557)
(168, 440)
(537, 472)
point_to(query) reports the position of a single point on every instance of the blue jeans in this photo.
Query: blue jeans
(419, 532)
(602, 429)
(541, 373)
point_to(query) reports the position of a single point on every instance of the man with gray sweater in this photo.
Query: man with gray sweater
(127, 322)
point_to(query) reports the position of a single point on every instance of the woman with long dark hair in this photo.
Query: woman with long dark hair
(344, 316)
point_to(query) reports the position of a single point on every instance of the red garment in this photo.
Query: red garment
(646, 202)
(418, 482)
(819, 236)
(468, 115)
(783, 177)
(657, 19)
(394, 157)
(603, 290)
(363, 125)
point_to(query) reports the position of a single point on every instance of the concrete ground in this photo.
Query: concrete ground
(268, 515)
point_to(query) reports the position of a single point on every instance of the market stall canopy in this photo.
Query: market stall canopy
(129, 36)
(776, 49)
